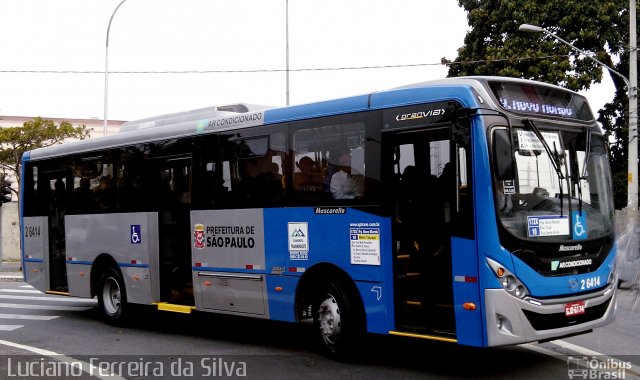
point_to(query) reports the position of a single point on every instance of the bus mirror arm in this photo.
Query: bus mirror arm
(504, 154)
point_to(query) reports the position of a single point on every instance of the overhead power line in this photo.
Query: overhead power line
(443, 62)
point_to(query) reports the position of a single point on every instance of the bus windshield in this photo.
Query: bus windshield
(558, 193)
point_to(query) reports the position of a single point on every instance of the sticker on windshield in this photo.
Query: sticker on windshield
(527, 140)
(508, 186)
(547, 225)
(579, 225)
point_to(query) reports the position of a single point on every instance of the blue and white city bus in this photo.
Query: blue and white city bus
(473, 210)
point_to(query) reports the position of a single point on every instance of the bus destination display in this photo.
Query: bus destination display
(540, 100)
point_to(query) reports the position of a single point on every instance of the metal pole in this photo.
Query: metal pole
(632, 175)
(287, 51)
(106, 69)
(533, 28)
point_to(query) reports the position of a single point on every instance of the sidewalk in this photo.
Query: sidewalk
(11, 271)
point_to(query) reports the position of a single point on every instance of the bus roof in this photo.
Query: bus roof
(230, 117)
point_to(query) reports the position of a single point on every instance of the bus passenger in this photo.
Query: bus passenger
(105, 194)
(344, 183)
(308, 179)
(84, 200)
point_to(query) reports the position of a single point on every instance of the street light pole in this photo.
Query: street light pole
(106, 69)
(632, 175)
(632, 88)
(287, 49)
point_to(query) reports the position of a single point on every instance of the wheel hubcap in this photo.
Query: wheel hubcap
(111, 296)
(329, 317)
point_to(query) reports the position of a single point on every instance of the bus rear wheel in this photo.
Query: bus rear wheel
(112, 297)
(337, 320)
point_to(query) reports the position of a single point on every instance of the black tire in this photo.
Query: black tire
(112, 297)
(337, 319)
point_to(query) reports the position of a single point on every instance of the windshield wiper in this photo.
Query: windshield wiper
(555, 157)
(585, 165)
(587, 153)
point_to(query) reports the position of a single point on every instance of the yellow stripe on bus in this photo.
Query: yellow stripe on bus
(56, 293)
(175, 308)
(422, 336)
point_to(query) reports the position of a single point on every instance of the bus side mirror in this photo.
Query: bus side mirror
(502, 155)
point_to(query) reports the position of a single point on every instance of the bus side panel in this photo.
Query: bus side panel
(466, 289)
(131, 239)
(35, 239)
(378, 300)
(354, 241)
(281, 290)
(228, 261)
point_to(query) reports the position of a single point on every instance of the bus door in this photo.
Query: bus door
(426, 179)
(170, 179)
(60, 184)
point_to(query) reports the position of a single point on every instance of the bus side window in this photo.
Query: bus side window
(130, 191)
(214, 186)
(33, 199)
(317, 151)
(260, 180)
(259, 164)
(92, 189)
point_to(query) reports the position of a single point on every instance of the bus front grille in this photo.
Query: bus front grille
(558, 320)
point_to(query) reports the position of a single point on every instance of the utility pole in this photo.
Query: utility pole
(632, 91)
(287, 49)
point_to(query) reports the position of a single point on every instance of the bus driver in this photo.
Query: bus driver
(344, 183)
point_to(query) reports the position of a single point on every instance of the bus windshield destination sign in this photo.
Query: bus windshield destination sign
(541, 100)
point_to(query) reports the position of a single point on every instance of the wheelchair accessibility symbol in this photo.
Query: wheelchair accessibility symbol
(136, 236)
(579, 225)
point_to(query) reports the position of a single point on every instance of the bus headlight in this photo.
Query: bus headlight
(508, 280)
(509, 283)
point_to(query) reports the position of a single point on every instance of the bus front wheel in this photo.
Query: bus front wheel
(337, 320)
(112, 297)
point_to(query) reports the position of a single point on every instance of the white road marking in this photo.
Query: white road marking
(43, 307)
(542, 350)
(9, 327)
(20, 291)
(48, 298)
(86, 367)
(28, 316)
(634, 370)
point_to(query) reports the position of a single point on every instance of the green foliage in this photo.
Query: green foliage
(38, 133)
(495, 41)
(495, 46)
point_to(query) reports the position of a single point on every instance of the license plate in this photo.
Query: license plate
(574, 308)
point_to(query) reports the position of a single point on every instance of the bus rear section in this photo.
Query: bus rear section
(88, 214)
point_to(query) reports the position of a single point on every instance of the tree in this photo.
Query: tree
(495, 46)
(38, 133)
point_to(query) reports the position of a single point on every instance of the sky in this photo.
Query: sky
(174, 55)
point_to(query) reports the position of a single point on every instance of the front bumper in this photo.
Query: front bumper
(511, 320)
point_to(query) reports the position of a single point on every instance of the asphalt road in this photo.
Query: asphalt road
(35, 332)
